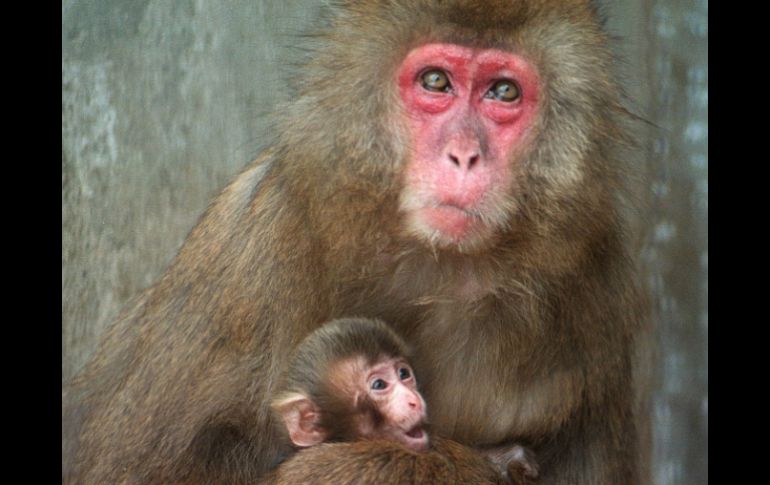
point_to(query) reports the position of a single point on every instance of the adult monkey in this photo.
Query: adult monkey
(451, 167)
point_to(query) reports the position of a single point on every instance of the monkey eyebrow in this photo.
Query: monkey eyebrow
(371, 375)
(378, 371)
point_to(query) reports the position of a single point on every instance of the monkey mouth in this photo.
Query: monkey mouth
(416, 438)
(451, 220)
(456, 209)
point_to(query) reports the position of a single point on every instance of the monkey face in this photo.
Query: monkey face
(468, 114)
(391, 388)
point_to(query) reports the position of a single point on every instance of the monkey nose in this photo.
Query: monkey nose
(465, 161)
(464, 151)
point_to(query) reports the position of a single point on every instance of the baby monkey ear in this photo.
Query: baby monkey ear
(302, 419)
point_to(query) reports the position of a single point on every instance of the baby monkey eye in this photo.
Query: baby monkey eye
(504, 90)
(404, 374)
(379, 384)
(435, 80)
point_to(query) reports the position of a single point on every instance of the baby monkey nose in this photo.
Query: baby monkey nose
(414, 401)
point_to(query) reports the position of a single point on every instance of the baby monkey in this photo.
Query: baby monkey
(350, 380)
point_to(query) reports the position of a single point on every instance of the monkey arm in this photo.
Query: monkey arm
(602, 450)
(188, 367)
(386, 463)
(600, 443)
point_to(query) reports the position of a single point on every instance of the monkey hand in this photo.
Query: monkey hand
(516, 463)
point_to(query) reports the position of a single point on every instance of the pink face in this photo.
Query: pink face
(391, 385)
(468, 111)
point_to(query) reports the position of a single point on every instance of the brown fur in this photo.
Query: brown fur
(530, 339)
(386, 463)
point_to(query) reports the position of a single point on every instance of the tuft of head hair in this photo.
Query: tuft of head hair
(336, 341)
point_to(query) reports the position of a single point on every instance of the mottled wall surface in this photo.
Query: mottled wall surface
(665, 47)
(163, 102)
(677, 73)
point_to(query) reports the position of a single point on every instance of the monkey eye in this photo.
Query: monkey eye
(404, 374)
(435, 80)
(504, 90)
(379, 385)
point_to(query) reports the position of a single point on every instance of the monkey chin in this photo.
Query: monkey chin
(415, 438)
(450, 227)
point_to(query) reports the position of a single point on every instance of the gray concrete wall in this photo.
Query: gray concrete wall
(665, 47)
(163, 102)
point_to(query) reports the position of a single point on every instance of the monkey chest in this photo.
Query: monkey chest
(481, 388)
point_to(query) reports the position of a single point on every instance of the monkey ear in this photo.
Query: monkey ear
(302, 419)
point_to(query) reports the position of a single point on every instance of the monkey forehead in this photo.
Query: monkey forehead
(348, 375)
